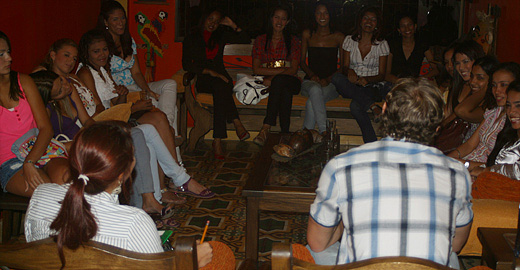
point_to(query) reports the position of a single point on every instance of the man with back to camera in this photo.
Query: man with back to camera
(397, 196)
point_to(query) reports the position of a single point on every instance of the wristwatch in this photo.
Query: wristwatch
(466, 164)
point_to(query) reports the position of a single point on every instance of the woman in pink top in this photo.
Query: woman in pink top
(21, 109)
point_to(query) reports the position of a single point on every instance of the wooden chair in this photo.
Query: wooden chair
(282, 259)
(43, 254)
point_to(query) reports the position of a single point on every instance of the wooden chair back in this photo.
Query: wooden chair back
(43, 254)
(282, 259)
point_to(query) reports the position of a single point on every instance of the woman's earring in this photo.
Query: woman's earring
(117, 190)
(106, 27)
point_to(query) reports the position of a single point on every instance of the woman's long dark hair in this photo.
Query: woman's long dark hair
(473, 51)
(101, 152)
(107, 7)
(489, 64)
(217, 34)
(330, 9)
(508, 135)
(14, 89)
(44, 80)
(377, 35)
(84, 43)
(286, 31)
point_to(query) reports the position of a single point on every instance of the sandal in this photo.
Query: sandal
(205, 194)
(166, 213)
(166, 223)
(377, 111)
(244, 136)
(261, 137)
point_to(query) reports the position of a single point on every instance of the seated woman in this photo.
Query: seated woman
(476, 150)
(94, 56)
(101, 162)
(464, 110)
(22, 110)
(322, 43)
(202, 54)
(124, 63)
(505, 157)
(276, 56)
(407, 53)
(365, 54)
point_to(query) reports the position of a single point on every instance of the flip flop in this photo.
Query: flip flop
(205, 194)
(244, 136)
(166, 213)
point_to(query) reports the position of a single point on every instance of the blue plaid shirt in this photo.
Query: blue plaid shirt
(395, 198)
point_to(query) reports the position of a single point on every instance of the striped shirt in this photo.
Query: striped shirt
(368, 66)
(395, 198)
(122, 226)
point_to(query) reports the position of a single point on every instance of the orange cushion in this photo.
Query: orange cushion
(490, 185)
(301, 252)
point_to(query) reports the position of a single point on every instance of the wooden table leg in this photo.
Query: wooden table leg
(7, 222)
(252, 220)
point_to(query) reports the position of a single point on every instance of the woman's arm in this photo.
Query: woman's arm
(467, 147)
(434, 71)
(380, 76)
(389, 76)
(469, 108)
(306, 35)
(83, 116)
(95, 97)
(32, 177)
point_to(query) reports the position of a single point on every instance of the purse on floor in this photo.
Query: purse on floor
(23, 145)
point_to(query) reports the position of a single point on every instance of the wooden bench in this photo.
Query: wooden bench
(43, 254)
(12, 207)
(200, 104)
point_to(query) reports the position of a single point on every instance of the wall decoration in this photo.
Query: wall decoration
(150, 32)
(484, 33)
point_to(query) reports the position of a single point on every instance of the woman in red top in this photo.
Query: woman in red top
(276, 56)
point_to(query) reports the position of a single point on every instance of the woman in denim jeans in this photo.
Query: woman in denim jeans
(365, 54)
(322, 44)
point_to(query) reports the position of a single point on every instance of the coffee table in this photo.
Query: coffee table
(278, 186)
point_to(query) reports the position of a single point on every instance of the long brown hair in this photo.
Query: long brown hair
(102, 153)
(377, 35)
(55, 47)
(14, 90)
(107, 8)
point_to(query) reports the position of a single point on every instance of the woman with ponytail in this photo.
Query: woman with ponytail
(101, 163)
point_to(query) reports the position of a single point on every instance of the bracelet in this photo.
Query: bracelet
(457, 151)
(164, 190)
(30, 162)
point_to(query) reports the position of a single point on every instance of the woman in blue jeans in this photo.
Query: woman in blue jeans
(322, 44)
(365, 54)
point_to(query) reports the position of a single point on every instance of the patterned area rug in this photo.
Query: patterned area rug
(227, 211)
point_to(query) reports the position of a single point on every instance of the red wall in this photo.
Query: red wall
(170, 63)
(32, 26)
(508, 36)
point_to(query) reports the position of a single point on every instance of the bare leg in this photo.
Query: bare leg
(150, 204)
(217, 147)
(240, 129)
(18, 186)
(58, 170)
(160, 122)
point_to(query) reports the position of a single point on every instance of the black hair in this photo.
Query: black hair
(377, 35)
(489, 64)
(330, 9)
(286, 31)
(14, 89)
(508, 135)
(107, 8)
(84, 43)
(473, 51)
(217, 34)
